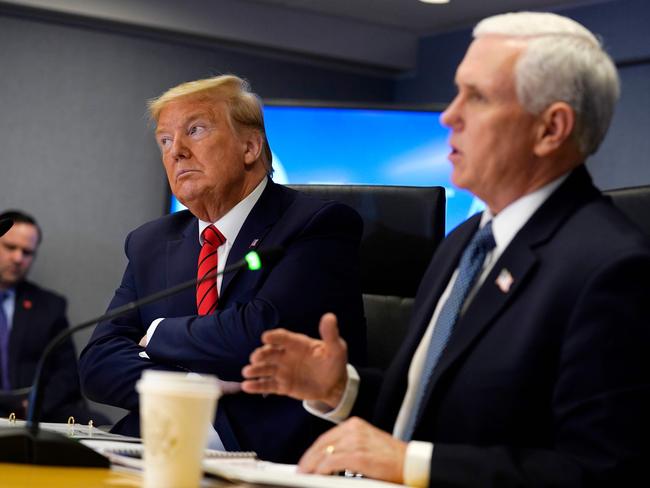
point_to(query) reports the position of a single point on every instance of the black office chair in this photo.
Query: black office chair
(403, 225)
(635, 203)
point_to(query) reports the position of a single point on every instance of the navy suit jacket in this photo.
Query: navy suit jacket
(548, 383)
(319, 272)
(39, 315)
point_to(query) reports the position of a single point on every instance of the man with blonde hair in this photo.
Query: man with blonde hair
(526, 363)
(218, 162)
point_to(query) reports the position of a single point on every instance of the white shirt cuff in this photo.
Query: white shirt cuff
(417, 464)
(152, 328)
(149, 335)
(343, 409)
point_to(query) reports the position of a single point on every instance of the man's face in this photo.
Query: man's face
(17, 250)
(203, 156)
(492, 135)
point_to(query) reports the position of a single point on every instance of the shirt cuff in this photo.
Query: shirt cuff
(417, 464)
(343, 409)
(152, 328)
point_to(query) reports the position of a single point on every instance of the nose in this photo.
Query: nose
(179, 149)
(451, 116)
(17, 256)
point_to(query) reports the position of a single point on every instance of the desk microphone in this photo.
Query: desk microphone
(5, 225)
(29, 444)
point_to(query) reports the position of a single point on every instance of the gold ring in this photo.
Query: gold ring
(330, 449)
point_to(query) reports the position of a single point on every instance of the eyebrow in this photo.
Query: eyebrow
(193, 117)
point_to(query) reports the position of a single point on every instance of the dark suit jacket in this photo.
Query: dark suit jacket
(39, 316)
(318, 273)
(549, 383)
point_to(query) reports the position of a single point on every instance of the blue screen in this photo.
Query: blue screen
(364, 146)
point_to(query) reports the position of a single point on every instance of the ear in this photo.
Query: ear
(253, 142)
(556, 124)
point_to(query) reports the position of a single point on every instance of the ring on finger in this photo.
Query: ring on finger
(330, 449)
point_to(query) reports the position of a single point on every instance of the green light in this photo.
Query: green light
(253, 260)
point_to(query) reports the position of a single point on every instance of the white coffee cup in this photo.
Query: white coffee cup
(175, 412)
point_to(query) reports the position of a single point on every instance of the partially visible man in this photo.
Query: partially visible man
(214, 149)
(30, 317)
(526, 363)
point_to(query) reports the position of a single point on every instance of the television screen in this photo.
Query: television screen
(372, 146)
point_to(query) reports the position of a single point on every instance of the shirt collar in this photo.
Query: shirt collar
(511, 219)
(6, 295)
(230, 224)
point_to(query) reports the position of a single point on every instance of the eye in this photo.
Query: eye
(196, 130)
(476, 96)
(164, 142)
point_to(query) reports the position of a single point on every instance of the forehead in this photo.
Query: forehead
(490, 62)
(21, 234)
(181, 111)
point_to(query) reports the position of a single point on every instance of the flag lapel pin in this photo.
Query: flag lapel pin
(505, 280)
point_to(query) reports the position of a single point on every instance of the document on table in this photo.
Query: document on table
(130, 454)
(267, 473)
(74, 430)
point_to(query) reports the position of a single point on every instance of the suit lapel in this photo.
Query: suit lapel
(264, 214)
(181, 262)
(24, 316)
(520, 261)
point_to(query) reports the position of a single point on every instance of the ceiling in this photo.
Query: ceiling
(417, 17)
(354, 34)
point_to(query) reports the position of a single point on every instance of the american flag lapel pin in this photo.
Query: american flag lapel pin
(505, 280)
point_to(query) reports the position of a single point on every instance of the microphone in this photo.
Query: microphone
(5, 225)
(30, 445)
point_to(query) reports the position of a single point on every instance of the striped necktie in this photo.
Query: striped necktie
(469, 270)
(207, 294)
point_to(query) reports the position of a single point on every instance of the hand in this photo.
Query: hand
(298, 366)
(357, 446)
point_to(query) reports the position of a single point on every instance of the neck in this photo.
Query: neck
(214, 207)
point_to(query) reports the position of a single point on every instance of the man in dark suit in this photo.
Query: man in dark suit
(31, 317)
(526, 363)
(218, 162)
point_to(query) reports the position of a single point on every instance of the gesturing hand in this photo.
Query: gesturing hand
(299, 366)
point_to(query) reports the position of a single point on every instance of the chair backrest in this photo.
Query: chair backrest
(635, 203)
(403, 225)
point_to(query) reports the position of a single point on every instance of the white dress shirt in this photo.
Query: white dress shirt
(505, 226)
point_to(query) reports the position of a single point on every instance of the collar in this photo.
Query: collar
(9, 293)
(230, 224)
(511, 219)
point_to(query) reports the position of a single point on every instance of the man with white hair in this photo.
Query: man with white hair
(526, 363)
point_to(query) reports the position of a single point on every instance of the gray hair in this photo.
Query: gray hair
(563, 61)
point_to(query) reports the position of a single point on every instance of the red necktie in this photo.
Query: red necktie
(207, 294)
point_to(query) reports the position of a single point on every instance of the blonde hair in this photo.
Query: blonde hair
(244, 106)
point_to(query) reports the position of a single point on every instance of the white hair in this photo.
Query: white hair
(563, 61)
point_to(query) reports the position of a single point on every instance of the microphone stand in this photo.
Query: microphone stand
(31, 445)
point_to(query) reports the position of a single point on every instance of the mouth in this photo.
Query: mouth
(184, 172)
(454, 153)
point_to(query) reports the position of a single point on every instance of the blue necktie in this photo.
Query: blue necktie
(469, 270)
(4, 345)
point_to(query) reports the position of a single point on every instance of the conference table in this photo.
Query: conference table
(30, 476)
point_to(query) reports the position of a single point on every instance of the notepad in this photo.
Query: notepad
(74, 430)
(129, 454)
(267, 473)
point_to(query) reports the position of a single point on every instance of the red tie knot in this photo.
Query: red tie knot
(212, 236)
